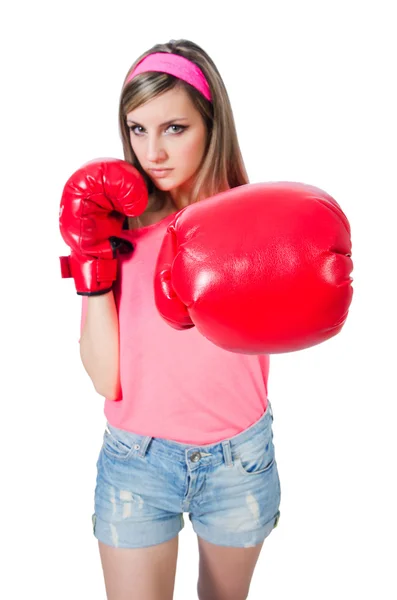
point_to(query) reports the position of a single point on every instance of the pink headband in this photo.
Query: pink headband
(176, 65)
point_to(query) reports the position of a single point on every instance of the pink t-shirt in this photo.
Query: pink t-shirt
(175, 384)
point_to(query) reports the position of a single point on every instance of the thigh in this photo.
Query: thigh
(225, 573)
(147, 573)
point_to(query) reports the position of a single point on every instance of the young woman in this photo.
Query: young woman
(189, 425)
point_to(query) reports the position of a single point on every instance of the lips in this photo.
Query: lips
(160, 172)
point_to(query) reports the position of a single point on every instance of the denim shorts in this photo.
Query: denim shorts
(231, 489)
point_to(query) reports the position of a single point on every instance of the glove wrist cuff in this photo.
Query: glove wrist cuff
(92, 276)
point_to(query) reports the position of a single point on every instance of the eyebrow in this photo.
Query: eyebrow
(129, 122)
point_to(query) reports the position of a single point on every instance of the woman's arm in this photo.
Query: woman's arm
(99, 345)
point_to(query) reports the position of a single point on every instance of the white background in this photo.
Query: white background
(312, 89)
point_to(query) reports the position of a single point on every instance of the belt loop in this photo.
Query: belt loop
(144, 446)
(227, 453)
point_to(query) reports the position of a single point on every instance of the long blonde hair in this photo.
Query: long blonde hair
(222, 167)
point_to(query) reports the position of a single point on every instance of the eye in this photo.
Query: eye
(132, 129)
(180, 128)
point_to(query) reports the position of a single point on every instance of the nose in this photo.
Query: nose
(155, 152)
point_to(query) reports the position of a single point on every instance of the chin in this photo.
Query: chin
(167, 186)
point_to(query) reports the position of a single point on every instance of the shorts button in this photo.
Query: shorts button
(195, 457)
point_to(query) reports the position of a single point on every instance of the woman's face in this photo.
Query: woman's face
(168, 136)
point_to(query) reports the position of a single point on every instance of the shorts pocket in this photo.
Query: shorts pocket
(115, 448)
(256, 457)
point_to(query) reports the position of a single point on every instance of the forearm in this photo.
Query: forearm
(99, 345)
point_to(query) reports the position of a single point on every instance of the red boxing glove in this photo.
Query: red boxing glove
(95, 201)
(260, 269)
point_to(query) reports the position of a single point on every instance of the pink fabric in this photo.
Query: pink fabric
(176, 384)
(175, 65)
